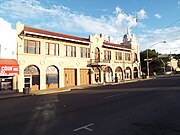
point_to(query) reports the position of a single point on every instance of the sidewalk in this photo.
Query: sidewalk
(11, 94)
(14, 94)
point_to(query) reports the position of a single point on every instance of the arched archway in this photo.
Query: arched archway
(135, 72)
(52, 77)
(108, 74)
(97, 54)
(97, 74)
(32, 77)
(118, 74)
(128, 74)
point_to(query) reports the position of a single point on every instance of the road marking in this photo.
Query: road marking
(86, 127)
(116, 95)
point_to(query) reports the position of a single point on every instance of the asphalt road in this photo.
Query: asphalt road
(150, 107)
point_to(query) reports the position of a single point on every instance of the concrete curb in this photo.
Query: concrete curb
(14, 96)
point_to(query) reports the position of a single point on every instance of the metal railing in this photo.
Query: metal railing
(97, 61)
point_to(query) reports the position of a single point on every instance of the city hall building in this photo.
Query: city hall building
(54, 60)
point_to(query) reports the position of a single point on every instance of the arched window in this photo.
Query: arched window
(32, 77)
(97, 54)
(52, 77)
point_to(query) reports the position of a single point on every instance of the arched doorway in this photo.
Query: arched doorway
(108, 74)
(128, 74)
(97, 74)
(118, 74)
(97, 54)
(52, 77)
(32, 77)
(135, 73)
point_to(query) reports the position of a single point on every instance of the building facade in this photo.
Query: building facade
(54, 60)
(9, 70)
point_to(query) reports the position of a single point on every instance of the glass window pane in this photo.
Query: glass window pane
(57, 49)
(65, 50)
(51, 79)
(52, 48)
(35, 80)
(81, 52)
(68, 50)
(25, 46)
(47, 48)
(88, 51)
(74, 48)
(32, 47)
(37, 47)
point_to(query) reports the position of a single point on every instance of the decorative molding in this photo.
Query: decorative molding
(22, 61)
(42, 62)
(61, 63)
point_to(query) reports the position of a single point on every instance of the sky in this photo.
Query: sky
(152, 21)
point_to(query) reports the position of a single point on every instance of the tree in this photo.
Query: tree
(155, 65)
(177, 57)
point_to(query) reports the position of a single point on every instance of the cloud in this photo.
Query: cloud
(7, 40)
(178, 4)
(62, 18)
(158, 16)
(142, 14)
(170, 35)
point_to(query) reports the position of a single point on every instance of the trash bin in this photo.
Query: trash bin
(26, 90)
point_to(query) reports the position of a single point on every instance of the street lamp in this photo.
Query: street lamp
(148, 56)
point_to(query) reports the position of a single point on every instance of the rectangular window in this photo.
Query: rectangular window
(85, 52)
(69, 51)
(52, 49)
(127, 57)
(118, 56)
(107, 55)
(31, 46)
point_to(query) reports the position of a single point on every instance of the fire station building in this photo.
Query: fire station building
(54, 60)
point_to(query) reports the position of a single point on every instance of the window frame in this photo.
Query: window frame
(127, 57)
(107, 55)
(85, 52)
(36, 48)
(55, 51)
(118, 55)
(69, 51)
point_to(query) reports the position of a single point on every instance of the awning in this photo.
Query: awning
(9, 67)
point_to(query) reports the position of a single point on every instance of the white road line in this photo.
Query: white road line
(116, 95)
(86, 127)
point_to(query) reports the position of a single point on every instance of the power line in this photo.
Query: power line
(173, 23)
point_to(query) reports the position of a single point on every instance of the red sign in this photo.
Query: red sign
(7, 70)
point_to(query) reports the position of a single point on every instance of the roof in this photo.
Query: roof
(8, 62)
(41, 32)
(113, 45)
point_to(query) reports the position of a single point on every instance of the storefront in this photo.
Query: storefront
(9, 68)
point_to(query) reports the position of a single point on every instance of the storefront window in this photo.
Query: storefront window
(6, 83)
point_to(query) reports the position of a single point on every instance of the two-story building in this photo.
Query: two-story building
(54, 60)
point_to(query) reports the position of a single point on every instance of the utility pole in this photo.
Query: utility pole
(148, 56)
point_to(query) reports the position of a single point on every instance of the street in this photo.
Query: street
(149, 107)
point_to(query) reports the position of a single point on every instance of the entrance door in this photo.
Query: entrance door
(27, 82)
(70, 77)
(97, 75)
(84, 76)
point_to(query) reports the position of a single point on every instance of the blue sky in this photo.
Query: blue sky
(156, 19)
